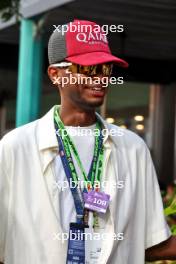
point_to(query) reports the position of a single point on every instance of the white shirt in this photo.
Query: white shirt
(29, 209)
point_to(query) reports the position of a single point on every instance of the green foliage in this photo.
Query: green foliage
(173, 229)
(171, 209)
(169, 199)
(8, 9)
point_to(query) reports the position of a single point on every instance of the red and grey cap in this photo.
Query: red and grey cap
(81, 42)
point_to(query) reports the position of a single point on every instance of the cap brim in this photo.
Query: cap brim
(97, 57)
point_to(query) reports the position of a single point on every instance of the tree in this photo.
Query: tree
(8, 9)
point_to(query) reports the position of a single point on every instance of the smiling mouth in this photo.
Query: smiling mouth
(97, 91)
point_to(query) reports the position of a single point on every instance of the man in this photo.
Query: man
(38, 159)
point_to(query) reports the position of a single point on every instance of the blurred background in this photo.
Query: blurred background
(145, 103)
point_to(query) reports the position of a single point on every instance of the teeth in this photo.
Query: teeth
(97, 89)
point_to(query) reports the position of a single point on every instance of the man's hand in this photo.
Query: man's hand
(163, 251)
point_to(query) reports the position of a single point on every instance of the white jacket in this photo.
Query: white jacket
(28, 215)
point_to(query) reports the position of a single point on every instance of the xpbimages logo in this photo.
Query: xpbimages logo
(91, 34)
(81, 29)
(86, 80)
(82, 132)
(81, 184)
(79, 236)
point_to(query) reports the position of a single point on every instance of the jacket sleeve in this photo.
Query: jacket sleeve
(4, 199)
(157, 229)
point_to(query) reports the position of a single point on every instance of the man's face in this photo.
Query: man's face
(85, 91)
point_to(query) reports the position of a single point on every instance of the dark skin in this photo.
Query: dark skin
(78, 109)
(77, 102)
(163, 251)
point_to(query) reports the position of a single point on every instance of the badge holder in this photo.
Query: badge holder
(76, 244)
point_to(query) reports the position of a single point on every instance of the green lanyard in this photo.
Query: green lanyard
(97, 163)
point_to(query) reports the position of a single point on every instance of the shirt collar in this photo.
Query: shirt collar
(46, 131)
(108, 137)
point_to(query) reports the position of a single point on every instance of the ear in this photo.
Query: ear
(52, 73)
